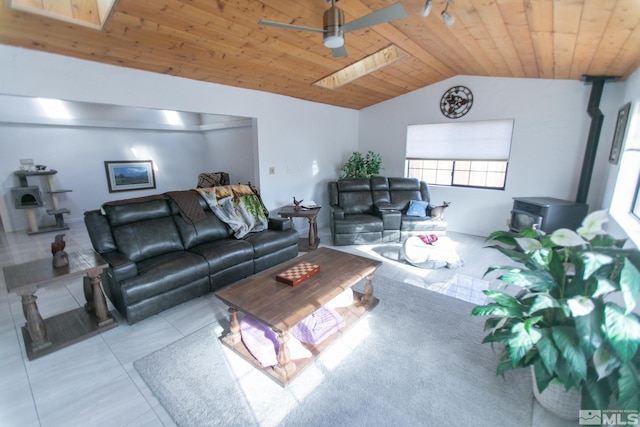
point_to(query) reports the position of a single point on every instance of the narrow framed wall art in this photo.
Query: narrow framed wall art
(618, 135)
(130, 175)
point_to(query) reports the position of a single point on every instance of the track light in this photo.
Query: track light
(426, 9)
(447, 18)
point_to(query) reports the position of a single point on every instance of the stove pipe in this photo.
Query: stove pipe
(591, 149)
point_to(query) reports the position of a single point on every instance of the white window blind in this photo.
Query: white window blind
(484, 140)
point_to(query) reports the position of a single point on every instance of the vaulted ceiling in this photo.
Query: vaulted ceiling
(221, 41)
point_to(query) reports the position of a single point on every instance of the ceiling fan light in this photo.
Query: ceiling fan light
(333, 42)
(426, 9)
(447, 18)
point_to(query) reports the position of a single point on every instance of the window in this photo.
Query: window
(467, 154)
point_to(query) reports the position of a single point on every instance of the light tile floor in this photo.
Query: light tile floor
(94, 382)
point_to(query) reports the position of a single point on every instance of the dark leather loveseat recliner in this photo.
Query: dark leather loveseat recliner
(374, 210)
(158, 259)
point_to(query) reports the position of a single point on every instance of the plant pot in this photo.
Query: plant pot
(562, 403)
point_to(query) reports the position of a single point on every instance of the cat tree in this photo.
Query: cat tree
(29, 198)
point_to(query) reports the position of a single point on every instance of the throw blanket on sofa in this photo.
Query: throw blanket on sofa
(238, 206)
(188, 203)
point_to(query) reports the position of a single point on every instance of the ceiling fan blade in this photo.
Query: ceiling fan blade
(339, 52)
(289, 26)
(389, 13)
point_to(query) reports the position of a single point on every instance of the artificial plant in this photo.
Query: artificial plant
(573, 318)
(362, 166)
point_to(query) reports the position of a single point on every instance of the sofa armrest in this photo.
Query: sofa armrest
(391, 218)
(122, 267)
(99, 231)
(383, 206)
(280, 224)
(337, 212)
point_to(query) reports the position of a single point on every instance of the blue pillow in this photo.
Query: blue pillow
(417, 208)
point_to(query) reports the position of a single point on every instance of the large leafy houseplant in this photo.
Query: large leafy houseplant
(573, 318)
(362, 166)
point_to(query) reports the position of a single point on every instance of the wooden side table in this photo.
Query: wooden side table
(311, 214)
(41, 336)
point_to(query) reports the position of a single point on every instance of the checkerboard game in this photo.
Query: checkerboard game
(298, 273)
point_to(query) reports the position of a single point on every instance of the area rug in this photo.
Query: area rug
(415, 359)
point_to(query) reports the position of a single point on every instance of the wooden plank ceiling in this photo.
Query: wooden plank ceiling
(220, 41)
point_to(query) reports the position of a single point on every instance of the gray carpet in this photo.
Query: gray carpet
(416, 359)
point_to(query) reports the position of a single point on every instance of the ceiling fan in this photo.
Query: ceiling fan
(334, 28)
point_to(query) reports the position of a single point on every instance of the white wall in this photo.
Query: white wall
(305, 142)
(549, 139)
(231, 150)
(631, 94)
(78, 154)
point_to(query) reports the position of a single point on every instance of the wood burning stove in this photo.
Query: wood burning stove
(546, 214)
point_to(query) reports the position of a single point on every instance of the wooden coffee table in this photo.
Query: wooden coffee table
(281, 306)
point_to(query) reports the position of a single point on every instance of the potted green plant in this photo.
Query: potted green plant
(572, 319)
(362, 166)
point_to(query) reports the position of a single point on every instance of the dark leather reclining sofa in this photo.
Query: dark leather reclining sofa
(374, 210)
(158, 259)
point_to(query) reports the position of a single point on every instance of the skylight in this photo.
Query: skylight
(89, 13)
(367, 65)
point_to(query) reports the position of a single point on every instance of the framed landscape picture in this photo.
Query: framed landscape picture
(618, 135)
(129, 175)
